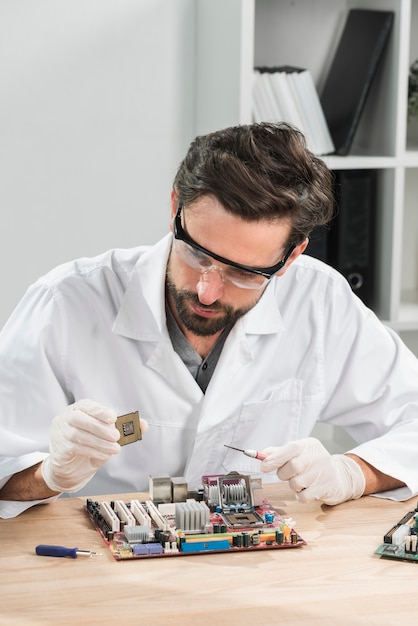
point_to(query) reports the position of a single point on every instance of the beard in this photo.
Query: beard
(202, 326)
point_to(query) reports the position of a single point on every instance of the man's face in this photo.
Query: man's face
(200, 319)
(205, 302)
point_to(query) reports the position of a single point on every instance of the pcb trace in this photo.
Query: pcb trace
(229, 514)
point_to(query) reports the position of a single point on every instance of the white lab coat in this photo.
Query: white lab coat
(308, 351)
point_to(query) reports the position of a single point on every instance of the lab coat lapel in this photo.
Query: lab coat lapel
(263, 319)
(168, 364)
(142, 317)
(238, 351)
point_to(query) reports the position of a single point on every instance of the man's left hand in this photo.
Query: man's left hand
(315, 474)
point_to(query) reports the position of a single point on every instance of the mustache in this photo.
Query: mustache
(194, 299)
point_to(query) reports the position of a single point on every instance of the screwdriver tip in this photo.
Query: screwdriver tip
(232, 448)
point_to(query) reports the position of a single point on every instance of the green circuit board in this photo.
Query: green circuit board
(401, 541)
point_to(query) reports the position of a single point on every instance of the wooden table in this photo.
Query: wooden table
(335, 579)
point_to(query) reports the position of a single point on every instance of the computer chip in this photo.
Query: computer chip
(129, 427)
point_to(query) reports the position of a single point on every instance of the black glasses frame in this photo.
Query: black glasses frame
(267, 272)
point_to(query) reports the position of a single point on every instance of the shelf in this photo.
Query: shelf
(357, 162)
(407, 319)
(410, 158)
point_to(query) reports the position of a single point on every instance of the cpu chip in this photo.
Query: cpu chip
(129, 427)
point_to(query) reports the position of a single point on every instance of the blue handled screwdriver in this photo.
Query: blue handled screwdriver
(45, 550)
(254, 454)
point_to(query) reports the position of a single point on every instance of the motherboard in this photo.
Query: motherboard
(400, 542)
(228, 514)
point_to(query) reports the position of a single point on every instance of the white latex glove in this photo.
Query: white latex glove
(81, 440)
(315, 474)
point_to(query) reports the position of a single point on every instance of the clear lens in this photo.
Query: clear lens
(244, 279)
(202, 262)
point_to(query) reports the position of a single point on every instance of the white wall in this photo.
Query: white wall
(96, 111)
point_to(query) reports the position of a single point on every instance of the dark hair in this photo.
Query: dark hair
(259, 172)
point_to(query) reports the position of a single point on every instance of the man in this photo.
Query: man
(221, 333)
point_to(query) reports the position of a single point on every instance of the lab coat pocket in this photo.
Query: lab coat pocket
(269, 422)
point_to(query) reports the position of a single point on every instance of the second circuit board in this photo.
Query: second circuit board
(229, 515)
(401, 541)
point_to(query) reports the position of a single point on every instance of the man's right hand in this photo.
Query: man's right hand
(82, 439)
